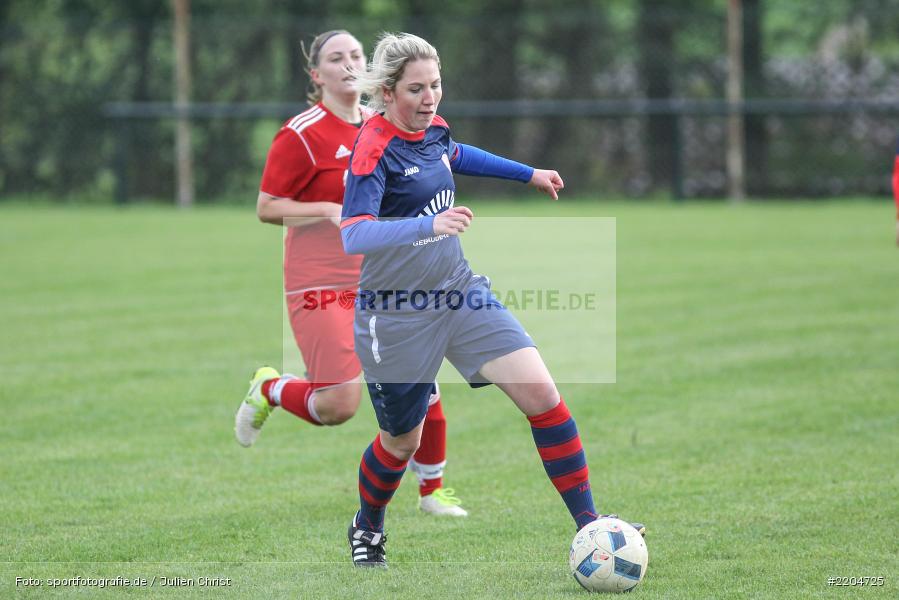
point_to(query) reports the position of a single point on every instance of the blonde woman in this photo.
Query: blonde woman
(419, 302)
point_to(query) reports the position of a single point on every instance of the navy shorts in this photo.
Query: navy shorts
(401, 352)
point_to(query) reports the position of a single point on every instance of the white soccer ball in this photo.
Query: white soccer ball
(608, 555)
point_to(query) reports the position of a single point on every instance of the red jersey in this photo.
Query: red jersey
(307, 162)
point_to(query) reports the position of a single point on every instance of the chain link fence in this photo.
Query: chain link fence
(624, 99)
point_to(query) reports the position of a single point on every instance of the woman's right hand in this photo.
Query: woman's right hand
(453, 221)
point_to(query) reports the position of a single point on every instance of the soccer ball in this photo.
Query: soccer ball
(608, 555)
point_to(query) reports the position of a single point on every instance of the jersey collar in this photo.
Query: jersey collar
(331, 115)
(394, 130)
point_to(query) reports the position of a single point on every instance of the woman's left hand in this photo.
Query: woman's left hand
(547, 181)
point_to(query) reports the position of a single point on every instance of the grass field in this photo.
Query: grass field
(754, 425)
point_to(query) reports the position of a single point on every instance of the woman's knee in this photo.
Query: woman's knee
(402, 446)
(546, 394)
(338, 405)
(532, 398)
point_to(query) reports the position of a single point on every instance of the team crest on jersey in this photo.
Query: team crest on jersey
(443, 200)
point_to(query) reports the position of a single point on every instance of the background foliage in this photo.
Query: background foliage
(61, 61)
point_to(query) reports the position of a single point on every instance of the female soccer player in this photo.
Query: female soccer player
(303, 182)
(407, 319)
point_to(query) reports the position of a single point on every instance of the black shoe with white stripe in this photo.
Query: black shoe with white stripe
(367, 547)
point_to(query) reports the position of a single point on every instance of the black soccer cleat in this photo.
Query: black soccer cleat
(640, 527)
(367, 547)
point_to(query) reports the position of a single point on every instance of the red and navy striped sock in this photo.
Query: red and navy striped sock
(380, 474)
(559, 445)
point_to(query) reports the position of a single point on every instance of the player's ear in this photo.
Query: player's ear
(388, 96)
(314, 76)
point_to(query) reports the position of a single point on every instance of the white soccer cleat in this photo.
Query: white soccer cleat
(442, 502)
(254, 409)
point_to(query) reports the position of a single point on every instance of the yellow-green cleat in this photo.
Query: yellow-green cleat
(443, 502)
(254, 410)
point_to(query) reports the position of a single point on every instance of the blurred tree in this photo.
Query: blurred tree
(574, 38)
(233, 50)
(656, 26)
(756, 134)
(147, 169)
(491, 70)
(62, 60)
(5, 31)
(420, 19)
(305, 19)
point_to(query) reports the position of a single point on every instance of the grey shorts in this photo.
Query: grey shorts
(401, 352)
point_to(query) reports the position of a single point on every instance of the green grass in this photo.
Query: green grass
(754, 425)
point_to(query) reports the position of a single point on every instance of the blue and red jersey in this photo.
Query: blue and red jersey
(397, 183)
(399, 175)
(394, 173)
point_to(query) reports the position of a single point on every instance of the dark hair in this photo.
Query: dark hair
(315, 91)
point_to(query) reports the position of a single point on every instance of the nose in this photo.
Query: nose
(428, 96)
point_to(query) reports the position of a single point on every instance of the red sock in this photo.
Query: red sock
(266, 391)
(431, 454)
(295, 397)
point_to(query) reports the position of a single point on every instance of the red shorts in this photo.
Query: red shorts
(322, 323)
